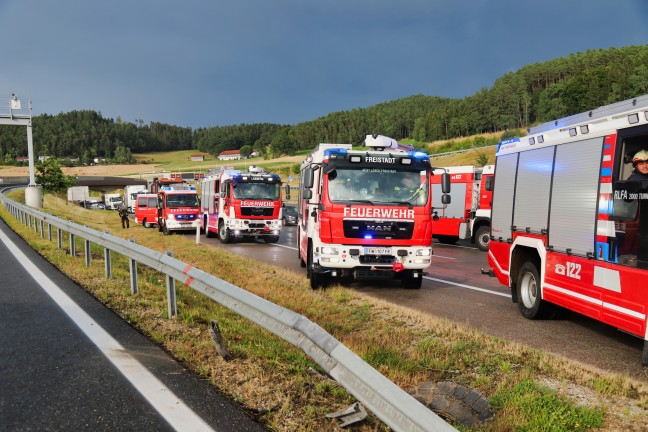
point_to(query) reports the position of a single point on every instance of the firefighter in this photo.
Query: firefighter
(123, 213)
(640, 164)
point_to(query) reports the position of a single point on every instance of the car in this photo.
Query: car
(289, 215)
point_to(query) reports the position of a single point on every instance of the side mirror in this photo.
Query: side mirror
(307, 178)
(445, 199)
(307, 194)
(445, 183)
(287, 189)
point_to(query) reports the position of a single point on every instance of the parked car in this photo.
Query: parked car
(289, 215)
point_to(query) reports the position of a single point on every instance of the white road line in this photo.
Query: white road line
(470, 287)
(170, 407)
(442, 256)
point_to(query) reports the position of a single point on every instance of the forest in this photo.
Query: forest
(533, 94)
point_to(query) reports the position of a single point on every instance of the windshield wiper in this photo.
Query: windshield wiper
(351, 202)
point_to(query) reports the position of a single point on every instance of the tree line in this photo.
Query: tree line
(533, 94)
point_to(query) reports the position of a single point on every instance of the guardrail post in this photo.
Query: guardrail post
(72, 245)
(107, 263)
(171, 293)
(88, 255)
(59, 235)
(49, 231)
(133, 273)
(42, 228)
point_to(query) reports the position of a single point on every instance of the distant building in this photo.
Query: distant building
(229, 155)
(197, 157)
(22, 159)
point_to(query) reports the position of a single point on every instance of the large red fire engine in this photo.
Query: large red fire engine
(366, 214)
(239, 204)
(569, 229)
(178, 207)
(468, 215)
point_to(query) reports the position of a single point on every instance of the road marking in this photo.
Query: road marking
(170, 407)
(470, 287)
(442, 256)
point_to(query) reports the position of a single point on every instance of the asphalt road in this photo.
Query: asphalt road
(68, 363)
(457, 290)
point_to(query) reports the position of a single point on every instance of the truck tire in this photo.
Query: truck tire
(224, 233)
(482, 237)
(317, 280)
(165, 230)
(271, 239)
(409, 281)
(208, 233)
(529, 293)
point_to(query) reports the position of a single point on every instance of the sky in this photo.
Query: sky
(204, 63)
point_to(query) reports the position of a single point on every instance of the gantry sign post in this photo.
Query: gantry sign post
(12, 113)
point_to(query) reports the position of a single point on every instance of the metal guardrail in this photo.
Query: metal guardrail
(399, 410)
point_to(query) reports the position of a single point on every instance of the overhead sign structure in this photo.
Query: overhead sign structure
(12, 113)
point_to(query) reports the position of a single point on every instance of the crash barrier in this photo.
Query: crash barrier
(395, 407)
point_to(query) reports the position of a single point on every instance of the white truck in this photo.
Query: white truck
(130, 195)
(112, 201)
(78, 194)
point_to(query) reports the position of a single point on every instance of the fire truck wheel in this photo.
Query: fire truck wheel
(529, 296)
(224, 234)
(412, 282)
(208, 233)
(165, 230)
(482, 237)
(317, 280)
(271, 239)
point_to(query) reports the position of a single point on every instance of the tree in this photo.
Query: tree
(51, 178)
(246, 151)
(481, 159)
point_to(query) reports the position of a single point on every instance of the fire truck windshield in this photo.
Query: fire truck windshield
(259, 191)
(379, 186)
(182, 200)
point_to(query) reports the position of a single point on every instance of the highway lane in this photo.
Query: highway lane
(69, 363)
(457, 290)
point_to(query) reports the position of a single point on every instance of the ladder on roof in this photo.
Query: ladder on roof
(629, 105)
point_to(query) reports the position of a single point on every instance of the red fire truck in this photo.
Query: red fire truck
(569, 229)
(238, 205)
(178, 208)
(366, 214)
(468, 215)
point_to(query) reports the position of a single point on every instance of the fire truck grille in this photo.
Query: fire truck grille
(378, 230)
(376, 259)
(256, 211)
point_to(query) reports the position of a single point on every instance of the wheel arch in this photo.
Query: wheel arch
(526, 249)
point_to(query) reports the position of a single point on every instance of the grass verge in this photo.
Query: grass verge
(274, 380)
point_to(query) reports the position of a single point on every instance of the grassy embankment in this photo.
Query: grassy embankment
(407, 347)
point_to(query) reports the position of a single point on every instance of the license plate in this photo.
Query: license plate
(377, 251)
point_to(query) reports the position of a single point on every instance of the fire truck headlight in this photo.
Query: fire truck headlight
(329, 259)
(423, 252)
(326, 250)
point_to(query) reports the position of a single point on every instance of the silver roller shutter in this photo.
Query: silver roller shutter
(533, 188)
(503, 196)
(572, 218)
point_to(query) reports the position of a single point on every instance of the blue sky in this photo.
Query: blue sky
(203, 63)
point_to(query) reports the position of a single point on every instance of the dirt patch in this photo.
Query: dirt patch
(623, 414)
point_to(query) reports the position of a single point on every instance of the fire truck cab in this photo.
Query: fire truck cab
(178, 208)
(570, 223)
(248, 205)
(366, 214)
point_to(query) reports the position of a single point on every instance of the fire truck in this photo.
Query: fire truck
(178, 208)
(569, 229)
(237, 205)
(468, 215)
(366, 214)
